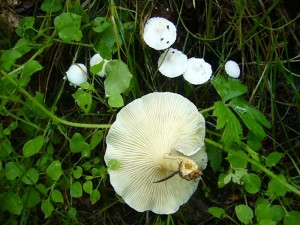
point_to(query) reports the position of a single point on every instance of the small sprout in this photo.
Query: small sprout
(77, 74)
(232, 69)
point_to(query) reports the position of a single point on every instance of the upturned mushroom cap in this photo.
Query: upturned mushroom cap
(198, 71)
(172, 63)
(159, 33)
(96, 59)
(147, 133)
(77, 74)
(232, 69)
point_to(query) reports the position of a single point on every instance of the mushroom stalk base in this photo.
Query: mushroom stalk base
(185, 167)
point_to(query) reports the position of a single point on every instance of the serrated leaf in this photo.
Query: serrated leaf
(244, 213)
(33, 146)
(225, 118)
(47, 208)
(57, 196)
(118, 78)
(252, 183)
(96, 139)
(95, 196)
(68, 26)
(228, 88)
(76, 190)
(30, 67)
(252, 118)
(273, 158)
(51, 6)
(54, 170)
(88, 187)
(216, 212)
(83, 99)
(31, 176)
(11, 202)
(30, 198)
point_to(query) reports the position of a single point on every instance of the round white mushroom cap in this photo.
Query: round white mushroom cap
(96, 59)
(77, 74)
(198, 71)
(232, 69)
(172, 63)
(159, 33)
(151, 135)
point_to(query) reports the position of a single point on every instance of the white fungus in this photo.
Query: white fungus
(77, 74)
(159, 141)
(97, 59)
(198, 71)
(172, 63)
(232, 69)
(159, 33)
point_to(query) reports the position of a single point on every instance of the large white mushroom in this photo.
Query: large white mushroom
(158, 140)
(159, 33)
(198, 71)
(77, 74)
(172, 63)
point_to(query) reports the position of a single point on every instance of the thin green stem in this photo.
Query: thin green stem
(52, 116)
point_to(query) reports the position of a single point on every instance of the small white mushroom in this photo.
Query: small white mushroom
(172, 63)
(159, 141)
(159, 33)
(77, 74)
(232, 69)
(198, 71)
(97, 59)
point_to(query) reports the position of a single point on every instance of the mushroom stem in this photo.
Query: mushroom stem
(185, 167)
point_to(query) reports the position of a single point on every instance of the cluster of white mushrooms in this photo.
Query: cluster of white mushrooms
(77, 73)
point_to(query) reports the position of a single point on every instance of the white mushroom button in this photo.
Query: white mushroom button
(97, 59)
(77, 74)
(158, 140)
(159, 33)
(198, 71)
(232, 69)
(172, 63)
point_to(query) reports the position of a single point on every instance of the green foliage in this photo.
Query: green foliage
(244, 213)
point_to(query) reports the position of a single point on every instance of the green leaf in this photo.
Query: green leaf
(8, 59)
(68, 26)
(5, 148)
(238, 175)
(23, 46)
(77, 143)
(54, 170)
(30, 67)
(100, 24)
(254, 141)
(221, 182)
(95, 196)
(116, 101)
(273, 158)
(33, 146)
(225, 118)
(72, 213)
(291, 218)
(229, 88)
(275, 187)
(263, 211)
(83, 99)
(278, 212)
(216, 212)
(252, 118)
(117, 79)
(13, 170)
(237, 162)
(244, 213)
(214, 156)
(31, 176)
(57, 196)
(47, 208)
(26, 27)
(31, 197)
(75, 7)
(252, 183)
(88, 187)
(114, 164)
(76, 190)
(51, 6)
(96, 139)
(77, 172)
(11, 202)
